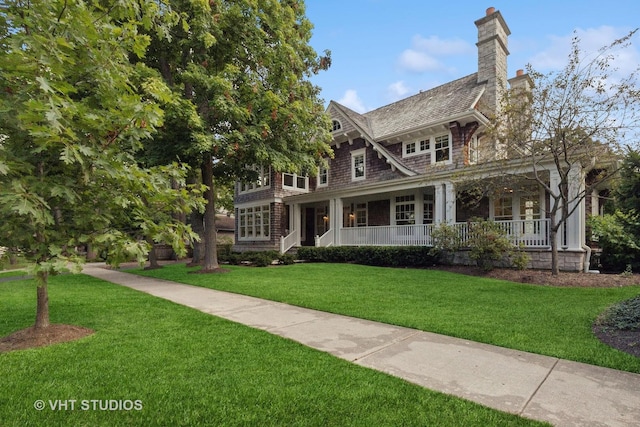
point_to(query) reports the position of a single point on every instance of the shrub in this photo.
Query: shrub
(489, 244)
(615, 235)
(384, 256)
(624, 315)
(446, 242)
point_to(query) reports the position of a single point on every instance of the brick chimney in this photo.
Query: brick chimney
(492, 58)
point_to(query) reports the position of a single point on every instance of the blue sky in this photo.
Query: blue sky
(386, 50)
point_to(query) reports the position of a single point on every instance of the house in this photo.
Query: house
(396, 169)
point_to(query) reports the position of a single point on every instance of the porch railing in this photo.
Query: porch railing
(387, 235)
(289, 241)
(326, 239)
(528, 233)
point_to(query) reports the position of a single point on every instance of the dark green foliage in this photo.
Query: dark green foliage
(384, 256)
(618, 232)
(490, 246)
(624, 316)
(255, 258)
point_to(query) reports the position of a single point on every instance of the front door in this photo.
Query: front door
(309, 227)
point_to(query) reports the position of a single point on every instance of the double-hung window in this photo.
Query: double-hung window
(442, 148)
(323, 176)
(358, 164)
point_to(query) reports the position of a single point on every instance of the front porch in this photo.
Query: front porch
(529, 234)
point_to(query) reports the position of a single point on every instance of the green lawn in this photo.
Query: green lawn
(12, 273)
(540, 319)
(189, 368)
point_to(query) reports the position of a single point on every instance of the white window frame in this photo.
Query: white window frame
(428, 208)
(436, 149)
(254, 222)
(427, 146)
(323, 171)
(297, 180)
(336, 125)
(405, 206)
(355, 154)
(263, 181)
(473, 152)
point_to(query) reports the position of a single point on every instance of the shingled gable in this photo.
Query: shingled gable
(438, 106)
(361, 125)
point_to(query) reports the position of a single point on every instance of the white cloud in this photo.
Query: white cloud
(555, 57)
(437, 46)
(424, 52)
(353, 101)
(397, 90)
(413, 60)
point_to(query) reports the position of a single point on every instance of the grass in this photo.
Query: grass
(189, 368)
(12, 273)
(546, 320)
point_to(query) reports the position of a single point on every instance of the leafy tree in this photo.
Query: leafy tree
(242, 68)
(73, 110)
(618, 232)
(572, 124)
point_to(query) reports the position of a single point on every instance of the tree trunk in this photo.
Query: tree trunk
(42, 311)
(210, 249)
(153, 255)
(553, 234)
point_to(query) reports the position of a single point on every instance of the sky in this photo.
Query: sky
(386, 50)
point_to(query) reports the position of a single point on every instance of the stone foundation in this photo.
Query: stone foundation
(539, 259)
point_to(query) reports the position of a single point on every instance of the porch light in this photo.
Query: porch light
(352, 215)
(325, 218)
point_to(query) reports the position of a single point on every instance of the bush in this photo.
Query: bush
(624, 315)
(615, 235)
(489, 245)
(384, 256)
(446, 242)
(257, 258)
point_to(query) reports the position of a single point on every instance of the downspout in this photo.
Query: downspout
(587, 260)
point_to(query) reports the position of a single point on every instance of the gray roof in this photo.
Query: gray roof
(427, 107)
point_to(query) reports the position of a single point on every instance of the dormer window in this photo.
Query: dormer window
(336, 125)
(438, 147)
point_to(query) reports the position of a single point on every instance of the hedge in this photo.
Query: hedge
(384, 256)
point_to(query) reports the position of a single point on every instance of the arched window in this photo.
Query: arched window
(336, 125)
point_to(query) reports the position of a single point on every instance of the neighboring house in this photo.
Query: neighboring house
(225, 226)
(395, 170)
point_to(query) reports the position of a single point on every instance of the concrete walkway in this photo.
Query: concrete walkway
(561, 392)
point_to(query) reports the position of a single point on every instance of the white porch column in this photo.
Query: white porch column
(439, 204)
(295, 222)
(573, 228)
(336, 208)
(450, 202)
(576, 221)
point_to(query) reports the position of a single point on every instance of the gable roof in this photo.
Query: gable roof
(430, 107)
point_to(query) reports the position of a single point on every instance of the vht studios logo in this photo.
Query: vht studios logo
(88, 405)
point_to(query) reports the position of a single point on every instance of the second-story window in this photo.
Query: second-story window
(358, 165)
(442, 148)
(262, 181)
(323, 176)
(293, 181)
(335, 125)
(438, 147)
